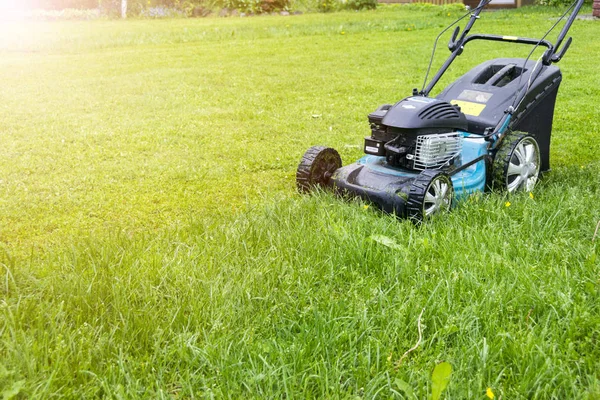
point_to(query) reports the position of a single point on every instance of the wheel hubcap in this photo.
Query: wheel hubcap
(524, 167)
(324, 169)
(438, 197)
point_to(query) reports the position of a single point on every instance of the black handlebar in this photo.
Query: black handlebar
(553, 54)
(565, 29)
(511, 39)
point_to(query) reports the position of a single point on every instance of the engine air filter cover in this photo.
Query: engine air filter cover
(436, 151)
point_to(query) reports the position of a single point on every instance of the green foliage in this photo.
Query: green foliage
(139, 7)
(558, 3)
(440, 377)
(405, 388)
(328, 5)
(337, 5)
(257, 6)
(452, 9)
(161, 7)
(361, 4)
(13, 391)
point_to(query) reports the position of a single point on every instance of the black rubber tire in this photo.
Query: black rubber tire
(501, 181)
(424, 183)
(316, 167)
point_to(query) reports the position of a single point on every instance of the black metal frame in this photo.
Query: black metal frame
(469, 164)
(553, 54)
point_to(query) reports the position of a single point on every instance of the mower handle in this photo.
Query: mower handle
(455, 43)
(565, 30)
(511, 39)
(460, 44)
(553, 54)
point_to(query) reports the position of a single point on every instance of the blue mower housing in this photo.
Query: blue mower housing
(390, 188)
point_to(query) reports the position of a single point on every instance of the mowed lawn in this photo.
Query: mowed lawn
(152, 244)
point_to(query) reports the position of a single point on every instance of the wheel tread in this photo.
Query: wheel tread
(416, 196)
(502, 159)
(305, 180)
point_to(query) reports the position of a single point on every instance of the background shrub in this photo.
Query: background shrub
(161, 12)
(556, 3)
(328, 5)
(256, 6)
(361, 4)
(444, 10)
(174, 8)
(336, 5)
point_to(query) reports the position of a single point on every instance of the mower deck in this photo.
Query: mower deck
(372, 179)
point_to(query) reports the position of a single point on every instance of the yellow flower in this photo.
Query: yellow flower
(343, 33)
(507, 204)
(530, 195)
(489, 393)
(366, 206)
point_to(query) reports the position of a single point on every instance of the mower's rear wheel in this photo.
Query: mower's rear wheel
(517, 163)
(431, 193)
(316, 167)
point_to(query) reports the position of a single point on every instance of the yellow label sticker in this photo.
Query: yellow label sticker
(512, 38)
(468, 107)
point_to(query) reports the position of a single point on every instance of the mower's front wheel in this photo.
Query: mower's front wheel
(517, 163)
(316, 167)
(431, 193)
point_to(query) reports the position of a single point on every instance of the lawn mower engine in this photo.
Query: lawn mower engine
(416, 133)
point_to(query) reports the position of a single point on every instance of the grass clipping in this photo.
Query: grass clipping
(419, 328)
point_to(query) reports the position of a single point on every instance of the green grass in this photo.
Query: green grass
(153, 244)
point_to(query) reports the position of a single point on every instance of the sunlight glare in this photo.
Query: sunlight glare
(13, 10)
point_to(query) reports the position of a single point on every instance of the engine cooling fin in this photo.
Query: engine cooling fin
(441, 110)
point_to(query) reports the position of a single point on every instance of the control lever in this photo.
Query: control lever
(557, 57)
(452, 45)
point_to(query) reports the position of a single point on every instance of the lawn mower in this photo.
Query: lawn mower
(489, 130)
